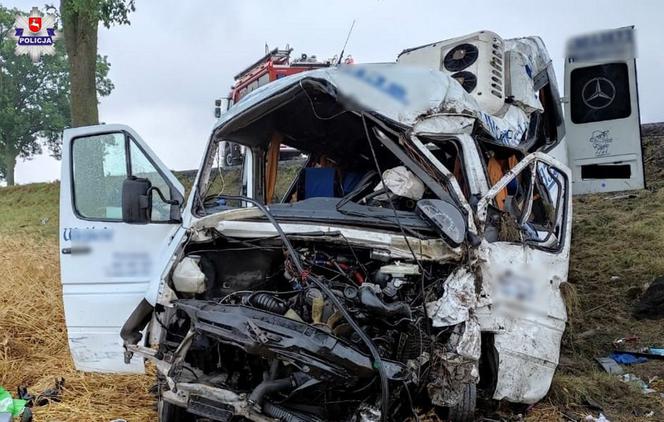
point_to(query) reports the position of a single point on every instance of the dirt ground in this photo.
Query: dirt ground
(617, 248)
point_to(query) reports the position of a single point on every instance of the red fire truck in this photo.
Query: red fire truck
(272, 66)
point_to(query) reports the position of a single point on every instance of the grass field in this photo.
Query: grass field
(33, 338)
(617, 246)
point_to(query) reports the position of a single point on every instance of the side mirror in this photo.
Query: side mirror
(136, 200)
(445, 217)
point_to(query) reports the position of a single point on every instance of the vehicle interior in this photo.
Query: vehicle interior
(346, 154)
(349, 155)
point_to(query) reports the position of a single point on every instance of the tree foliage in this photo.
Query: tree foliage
(35, 99)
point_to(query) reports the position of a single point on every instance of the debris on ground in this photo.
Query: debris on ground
(624, 340)
(51, 394)
(627, 358)
(633, 379)
(610, 366)
(600, 418)
(11, 406)
(651, 304)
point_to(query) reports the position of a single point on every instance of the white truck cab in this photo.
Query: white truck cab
(418, 252)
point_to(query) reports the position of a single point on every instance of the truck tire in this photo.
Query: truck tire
(464, 410)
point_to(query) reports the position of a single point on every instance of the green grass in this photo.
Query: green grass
(34, 208)
(31, 209)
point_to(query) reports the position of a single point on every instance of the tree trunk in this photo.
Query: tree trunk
(10, 166)
(80, 30)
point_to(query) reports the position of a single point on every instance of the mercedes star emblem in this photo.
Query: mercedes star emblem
(598, 93)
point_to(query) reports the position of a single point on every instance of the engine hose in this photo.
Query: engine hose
(377, 360)
(266, 387)
(139, 318)
(267, 302)
(283, 414)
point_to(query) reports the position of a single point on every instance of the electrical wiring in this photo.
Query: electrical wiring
(377, 360)
(396, 215)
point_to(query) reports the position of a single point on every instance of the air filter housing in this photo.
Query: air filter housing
(476, 61)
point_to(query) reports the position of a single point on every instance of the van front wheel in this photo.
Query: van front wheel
(464, 410)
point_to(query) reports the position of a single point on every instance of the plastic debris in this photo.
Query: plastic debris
(633, 379)
(627, 358)
(51, 394)
(610, 365)
(656, 351)
(600, 418)
(8, 404)
(624, 340)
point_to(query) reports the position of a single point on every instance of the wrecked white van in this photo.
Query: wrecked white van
(414, 261)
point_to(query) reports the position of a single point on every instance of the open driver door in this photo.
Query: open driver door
(120, 221)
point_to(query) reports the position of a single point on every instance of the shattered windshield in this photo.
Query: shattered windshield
(351, 166)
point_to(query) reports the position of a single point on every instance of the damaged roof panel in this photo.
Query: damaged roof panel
(402, 94)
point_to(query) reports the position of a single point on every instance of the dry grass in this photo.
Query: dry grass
(617, 246)
(33, 336)
(33, 341)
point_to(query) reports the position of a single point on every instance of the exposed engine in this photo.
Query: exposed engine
(254, 325)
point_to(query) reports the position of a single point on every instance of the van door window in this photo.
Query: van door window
(227, 180)
(534, 208)
(99, 166)
(141, 166)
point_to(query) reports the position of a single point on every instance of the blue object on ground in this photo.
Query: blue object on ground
(627, 359)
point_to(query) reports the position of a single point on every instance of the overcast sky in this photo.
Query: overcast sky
(178, 56)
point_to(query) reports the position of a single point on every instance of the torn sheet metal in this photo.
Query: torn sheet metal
(528, 355)
(444, 123)
(457, 300)
(400, 93)
(527, 58)
(455, 364)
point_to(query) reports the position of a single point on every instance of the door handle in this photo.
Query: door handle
(66, 251)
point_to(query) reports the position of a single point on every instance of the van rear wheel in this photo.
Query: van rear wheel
(464, 410)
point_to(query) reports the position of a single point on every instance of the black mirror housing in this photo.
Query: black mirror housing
(136, 200)
(445, 218)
